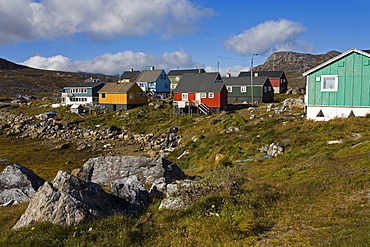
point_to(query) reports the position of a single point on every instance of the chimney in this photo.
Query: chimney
(256, 74)
(151, 67)
(228, 74)
(131, 70)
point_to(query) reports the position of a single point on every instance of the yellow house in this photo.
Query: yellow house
(125, 96)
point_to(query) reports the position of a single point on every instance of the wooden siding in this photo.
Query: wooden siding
(353, 73)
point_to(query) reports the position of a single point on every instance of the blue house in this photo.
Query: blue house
(154, 81)
(82, 93)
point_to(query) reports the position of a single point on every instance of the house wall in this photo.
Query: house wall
(163, 85)
(113, 98)
(137, 99)
(331, 112)
(353, 73)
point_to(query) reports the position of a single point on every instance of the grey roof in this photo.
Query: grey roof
(270, 74)
(113, 87)
(180, 72)
(245, 81)
(200, 83)
(129, 74)
(149, 75)
(85, 84)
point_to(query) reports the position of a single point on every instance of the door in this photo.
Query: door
(197, 97)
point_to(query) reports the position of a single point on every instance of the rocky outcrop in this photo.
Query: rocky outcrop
(273, 149)
(68, 201)
(104, 170)
(28, 127)
(18, 184)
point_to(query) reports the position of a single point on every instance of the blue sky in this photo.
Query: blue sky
(111, 36)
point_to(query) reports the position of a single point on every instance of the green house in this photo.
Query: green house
(240, 89)
(339, 87)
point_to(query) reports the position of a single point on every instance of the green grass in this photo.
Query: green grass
(315, 194)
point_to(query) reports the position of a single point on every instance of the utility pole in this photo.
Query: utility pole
(252, 89)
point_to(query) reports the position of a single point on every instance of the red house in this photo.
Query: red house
(277, 78)
(203, 93)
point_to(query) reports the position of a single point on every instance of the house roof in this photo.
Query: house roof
(270, 74)
(245, 81)
(129, 74)
(365, 53)
(113, 87)
(149, 75)
(89, 84)
(180, 72)
(200, 83)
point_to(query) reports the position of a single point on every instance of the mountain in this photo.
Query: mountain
(19, 79)
(294, 64)
(6, 65)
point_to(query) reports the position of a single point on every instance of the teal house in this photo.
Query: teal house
(339, 87)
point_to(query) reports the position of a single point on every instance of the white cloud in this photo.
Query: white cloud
(115, 63)
(268, 37)
(99, 19)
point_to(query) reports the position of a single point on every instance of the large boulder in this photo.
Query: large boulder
(18, 184)
(68, 200)
(104, 170)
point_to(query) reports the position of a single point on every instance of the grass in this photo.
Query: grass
(316, 194)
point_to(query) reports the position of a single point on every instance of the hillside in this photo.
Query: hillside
(314, 194)
(18, 79)
(294, 64)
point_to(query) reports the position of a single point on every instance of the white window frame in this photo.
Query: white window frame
(103, 95)
(131, 96)
(229, 89)
(211, 95)
(203, 95)
(335, 86)
(184, 96)
(243, 89)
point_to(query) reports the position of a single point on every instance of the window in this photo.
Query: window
(131, 95)
(173, 86)
(141, 96)
(229, 89)
(203, 95)
(177, 78)
(184, 96)
(211, 95)
(329, 83)
(166, 85)
(265, 89)
(243, 89)
(269, 89)
(103, 95)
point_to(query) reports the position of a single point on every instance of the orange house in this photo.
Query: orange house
(203, 93)
(125, 96)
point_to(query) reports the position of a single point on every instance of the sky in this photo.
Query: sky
(112, 36)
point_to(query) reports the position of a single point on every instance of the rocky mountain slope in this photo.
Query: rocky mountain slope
(294, 64)
(19, 79)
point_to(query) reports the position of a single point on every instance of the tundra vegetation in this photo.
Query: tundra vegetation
(315, 194)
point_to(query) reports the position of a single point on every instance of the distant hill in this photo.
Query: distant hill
(294, 64)
(18, 79)
(6, 65)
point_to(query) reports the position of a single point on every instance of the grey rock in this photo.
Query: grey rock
(131, 190)
(172, 203)
(68, 201)
(104, 170)
(18, 184)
